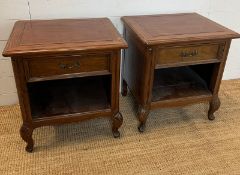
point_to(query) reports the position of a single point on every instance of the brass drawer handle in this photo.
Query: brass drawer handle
(189, 54)
(69, 66)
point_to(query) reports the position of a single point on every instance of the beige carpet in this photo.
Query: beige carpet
(176, 141)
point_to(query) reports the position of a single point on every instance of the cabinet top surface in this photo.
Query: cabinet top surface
(157, 29)
(62, 35)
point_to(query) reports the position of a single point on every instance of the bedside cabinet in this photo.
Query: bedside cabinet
(66, 71)
(174, 60)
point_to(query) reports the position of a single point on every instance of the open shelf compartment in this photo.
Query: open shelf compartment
(69, 96)
(179, 82)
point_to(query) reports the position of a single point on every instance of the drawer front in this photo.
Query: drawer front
(181, 54)
(51, 66)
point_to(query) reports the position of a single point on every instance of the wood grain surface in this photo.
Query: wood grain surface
(156, 29)
(63, 35)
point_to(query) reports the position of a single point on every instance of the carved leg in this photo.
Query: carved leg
(26, 134)
(142, 116)
(214, 106)
(116, 123)
(124, 89)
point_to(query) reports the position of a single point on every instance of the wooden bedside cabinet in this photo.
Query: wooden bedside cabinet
(174, 60)
(66, 71)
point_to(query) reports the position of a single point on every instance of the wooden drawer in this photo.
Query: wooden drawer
(62, 66)
(188, 54)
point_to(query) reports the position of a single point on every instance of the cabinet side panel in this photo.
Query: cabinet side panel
(22, 89)
(134, 66)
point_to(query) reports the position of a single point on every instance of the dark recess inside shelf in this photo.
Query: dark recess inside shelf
(180, 82)
(69, 96)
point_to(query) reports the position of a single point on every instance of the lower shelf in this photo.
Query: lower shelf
(175, 83)
(58, 97)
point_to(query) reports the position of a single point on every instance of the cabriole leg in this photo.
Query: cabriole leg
(214, 106)
(142, 116)
(26, 134)
(124, 89)
(116, 124)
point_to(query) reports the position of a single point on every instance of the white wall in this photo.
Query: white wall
(226, 13)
